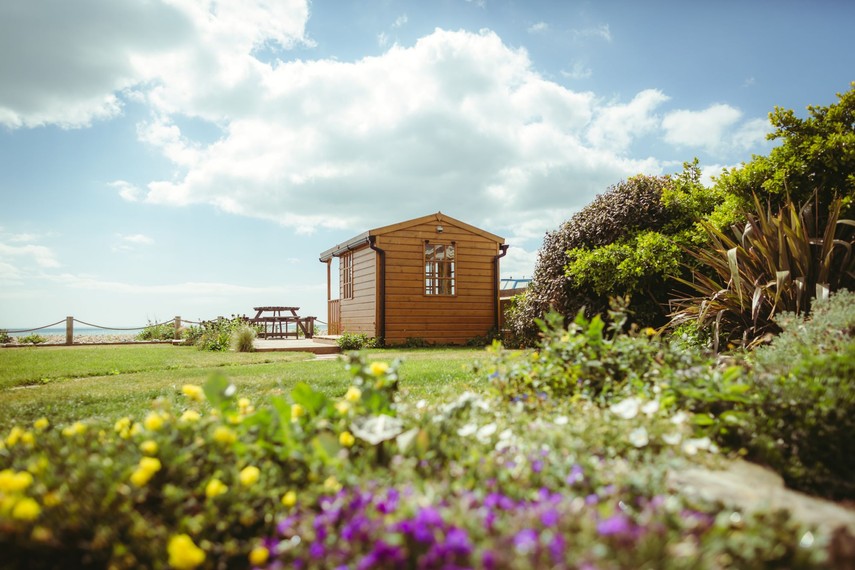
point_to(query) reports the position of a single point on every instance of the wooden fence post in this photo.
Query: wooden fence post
(177, 326)
(69, 330)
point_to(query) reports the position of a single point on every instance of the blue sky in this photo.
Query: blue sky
(193, 157)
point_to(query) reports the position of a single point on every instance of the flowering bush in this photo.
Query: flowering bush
(208, 479)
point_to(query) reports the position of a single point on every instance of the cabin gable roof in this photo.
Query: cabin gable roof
(438, 218)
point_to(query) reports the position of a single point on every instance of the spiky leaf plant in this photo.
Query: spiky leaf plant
(772, 263)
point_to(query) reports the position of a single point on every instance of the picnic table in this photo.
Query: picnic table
(277, 321)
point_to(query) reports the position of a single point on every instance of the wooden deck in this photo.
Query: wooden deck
(316, 345)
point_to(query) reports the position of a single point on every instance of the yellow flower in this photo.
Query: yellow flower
(41, 424)
(14, 436)
(342, 406)
(26, 509)
(183, 553)
(332, 484)
(224, 435)
(649, 331)
(379, 368)
(149, 447)
(346, 439)
(193, 392)
(297, 411)
(141, 477)
(353, 393)
(190, 416)
(51, 499)
(28, 438)
(77, 428)
(249, 475)
(258, 556)
(150, 464)
(122, 424)
(215, 488)
(245, 406)
(289, 499)
(13, 482)
(153, 421)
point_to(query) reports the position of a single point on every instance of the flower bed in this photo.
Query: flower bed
(209, 479)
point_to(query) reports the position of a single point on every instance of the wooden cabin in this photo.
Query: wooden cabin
(433, 279)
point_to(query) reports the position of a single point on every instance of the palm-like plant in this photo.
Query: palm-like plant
(773, 263)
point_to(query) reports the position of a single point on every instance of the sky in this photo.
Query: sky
(194, 157)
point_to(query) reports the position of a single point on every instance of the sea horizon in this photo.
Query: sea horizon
(90, 331)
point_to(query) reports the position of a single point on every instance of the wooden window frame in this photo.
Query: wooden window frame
(346, 262)
(440, 275)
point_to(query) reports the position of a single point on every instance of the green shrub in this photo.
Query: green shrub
(772, 264)
(5, 336)
(32, 338)
(793, 407)
(625, 242)
(216, 335)
(157, 331)
(355, 341)
(243, 338)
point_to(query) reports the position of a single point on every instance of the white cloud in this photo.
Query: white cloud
(577, 71)
(382, 39)
(67, 66)
(21, 254)
(458, 122)
(602, 31)
(716, 129)
(617, 125)
(400, 21)
(538, 28)
(127, 190)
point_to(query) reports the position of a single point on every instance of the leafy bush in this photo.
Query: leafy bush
(215, 335)
(158, 331)
(794, 406)
(5, 336)
(622, 243)
(32, 338)
(774, 263)
(355, 341)
(814, 153)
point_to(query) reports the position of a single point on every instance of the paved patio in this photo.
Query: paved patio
(316, 345)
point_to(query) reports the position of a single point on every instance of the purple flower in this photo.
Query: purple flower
(526, 540)
(537, 466)
(317, 550)
(577, 475)
(556, 548)
(457, 541)
(549, 518)
(390, 503)
(614, 525)
(382, 555)
(488, 560)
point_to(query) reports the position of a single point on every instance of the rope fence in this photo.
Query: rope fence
(69, 327)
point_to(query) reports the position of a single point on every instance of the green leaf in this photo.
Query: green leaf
(219, 391)
(703, 420)
(309, 398)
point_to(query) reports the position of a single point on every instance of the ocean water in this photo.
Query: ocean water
(88, 331)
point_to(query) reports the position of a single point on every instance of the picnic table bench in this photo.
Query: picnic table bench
(276, 322)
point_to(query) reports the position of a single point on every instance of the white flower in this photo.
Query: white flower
(561, 421)
(672, 438)
(377, 428)
(638, 437)
(420, 405)
(467, 430)
(485, 432)
(650, 407)
(627, 409)
(691, 446)
(680, 417)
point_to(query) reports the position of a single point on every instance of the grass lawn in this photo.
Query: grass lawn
(75, 383)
